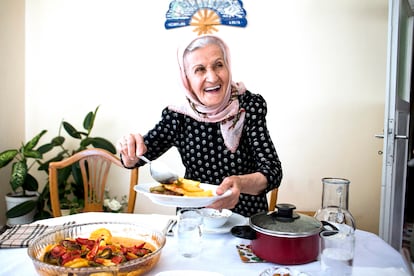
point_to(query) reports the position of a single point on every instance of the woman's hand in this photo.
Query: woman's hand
(232, 183)
(130, 146)
(252, 184)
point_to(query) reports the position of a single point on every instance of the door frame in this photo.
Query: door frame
(396, 121)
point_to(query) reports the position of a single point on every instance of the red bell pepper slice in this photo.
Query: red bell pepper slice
(87, 242)
(58, 251)
(92, 254)
(118, 259)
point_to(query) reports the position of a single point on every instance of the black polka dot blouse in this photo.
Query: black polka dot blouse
(207, 159)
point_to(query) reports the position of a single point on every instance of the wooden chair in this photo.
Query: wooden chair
(273, 202)
(94, 164)
(273, 199)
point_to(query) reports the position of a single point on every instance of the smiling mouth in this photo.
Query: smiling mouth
(213, 89)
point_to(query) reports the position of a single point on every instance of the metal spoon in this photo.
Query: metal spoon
(159, 171)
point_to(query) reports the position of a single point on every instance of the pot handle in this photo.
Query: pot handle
(244, 232)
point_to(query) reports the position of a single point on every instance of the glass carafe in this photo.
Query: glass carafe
(335, 204)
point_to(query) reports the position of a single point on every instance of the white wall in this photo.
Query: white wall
(11, 86)
(320, 64)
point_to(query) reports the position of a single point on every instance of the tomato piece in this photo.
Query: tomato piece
(58, 251)
(123, 249)
(138, 250)
(69, 256)
(117, 259)
(87, 242)
(99, 260)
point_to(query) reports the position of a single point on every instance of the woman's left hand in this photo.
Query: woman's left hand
(232, 183)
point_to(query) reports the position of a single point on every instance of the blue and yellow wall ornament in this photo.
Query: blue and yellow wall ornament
(205, 15)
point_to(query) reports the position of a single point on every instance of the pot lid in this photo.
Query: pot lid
(285, 223)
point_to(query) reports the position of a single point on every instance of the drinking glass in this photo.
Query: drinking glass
(189, 232)
(337, 253)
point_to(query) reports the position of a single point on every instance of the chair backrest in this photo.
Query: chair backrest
(94, 165)
(273, 202)
(273, 199)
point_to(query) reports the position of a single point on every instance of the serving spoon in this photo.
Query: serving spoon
(159, 171)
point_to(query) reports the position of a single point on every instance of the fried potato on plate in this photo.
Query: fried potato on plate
(206, 193)
(183, 187)
(188, 185)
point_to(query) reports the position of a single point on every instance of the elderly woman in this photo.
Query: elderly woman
(220, 131)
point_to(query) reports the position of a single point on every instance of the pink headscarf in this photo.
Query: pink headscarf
(228, 112)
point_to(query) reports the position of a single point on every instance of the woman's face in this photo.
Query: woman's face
(207, 74)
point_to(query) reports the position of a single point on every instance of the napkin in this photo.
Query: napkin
(21, 235)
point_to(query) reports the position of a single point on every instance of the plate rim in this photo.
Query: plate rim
(178, 201)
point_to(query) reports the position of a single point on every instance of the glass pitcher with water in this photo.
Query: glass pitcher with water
(335, 204)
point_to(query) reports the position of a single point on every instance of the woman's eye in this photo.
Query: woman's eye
(219, 65)
(199, 70)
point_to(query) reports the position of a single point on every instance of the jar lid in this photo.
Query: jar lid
(285, 223)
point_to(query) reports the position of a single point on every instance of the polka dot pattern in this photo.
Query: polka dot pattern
(207, 159)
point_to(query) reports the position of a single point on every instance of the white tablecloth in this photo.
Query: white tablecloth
(219, 253)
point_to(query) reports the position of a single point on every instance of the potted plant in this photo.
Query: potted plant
(25, 186)
(22, 201)
(70, 179)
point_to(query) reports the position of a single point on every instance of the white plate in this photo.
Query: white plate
(234, 220)
(188, 273)
(180, 201)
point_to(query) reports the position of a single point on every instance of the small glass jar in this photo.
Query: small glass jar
(335, 204)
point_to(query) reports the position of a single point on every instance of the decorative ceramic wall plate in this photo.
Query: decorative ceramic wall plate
(205, 14)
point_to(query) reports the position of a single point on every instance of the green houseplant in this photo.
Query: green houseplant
(71, 192)
(23, 184)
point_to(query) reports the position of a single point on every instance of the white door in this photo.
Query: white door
(396, 121)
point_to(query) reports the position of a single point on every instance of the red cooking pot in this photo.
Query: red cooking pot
(283, 236)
